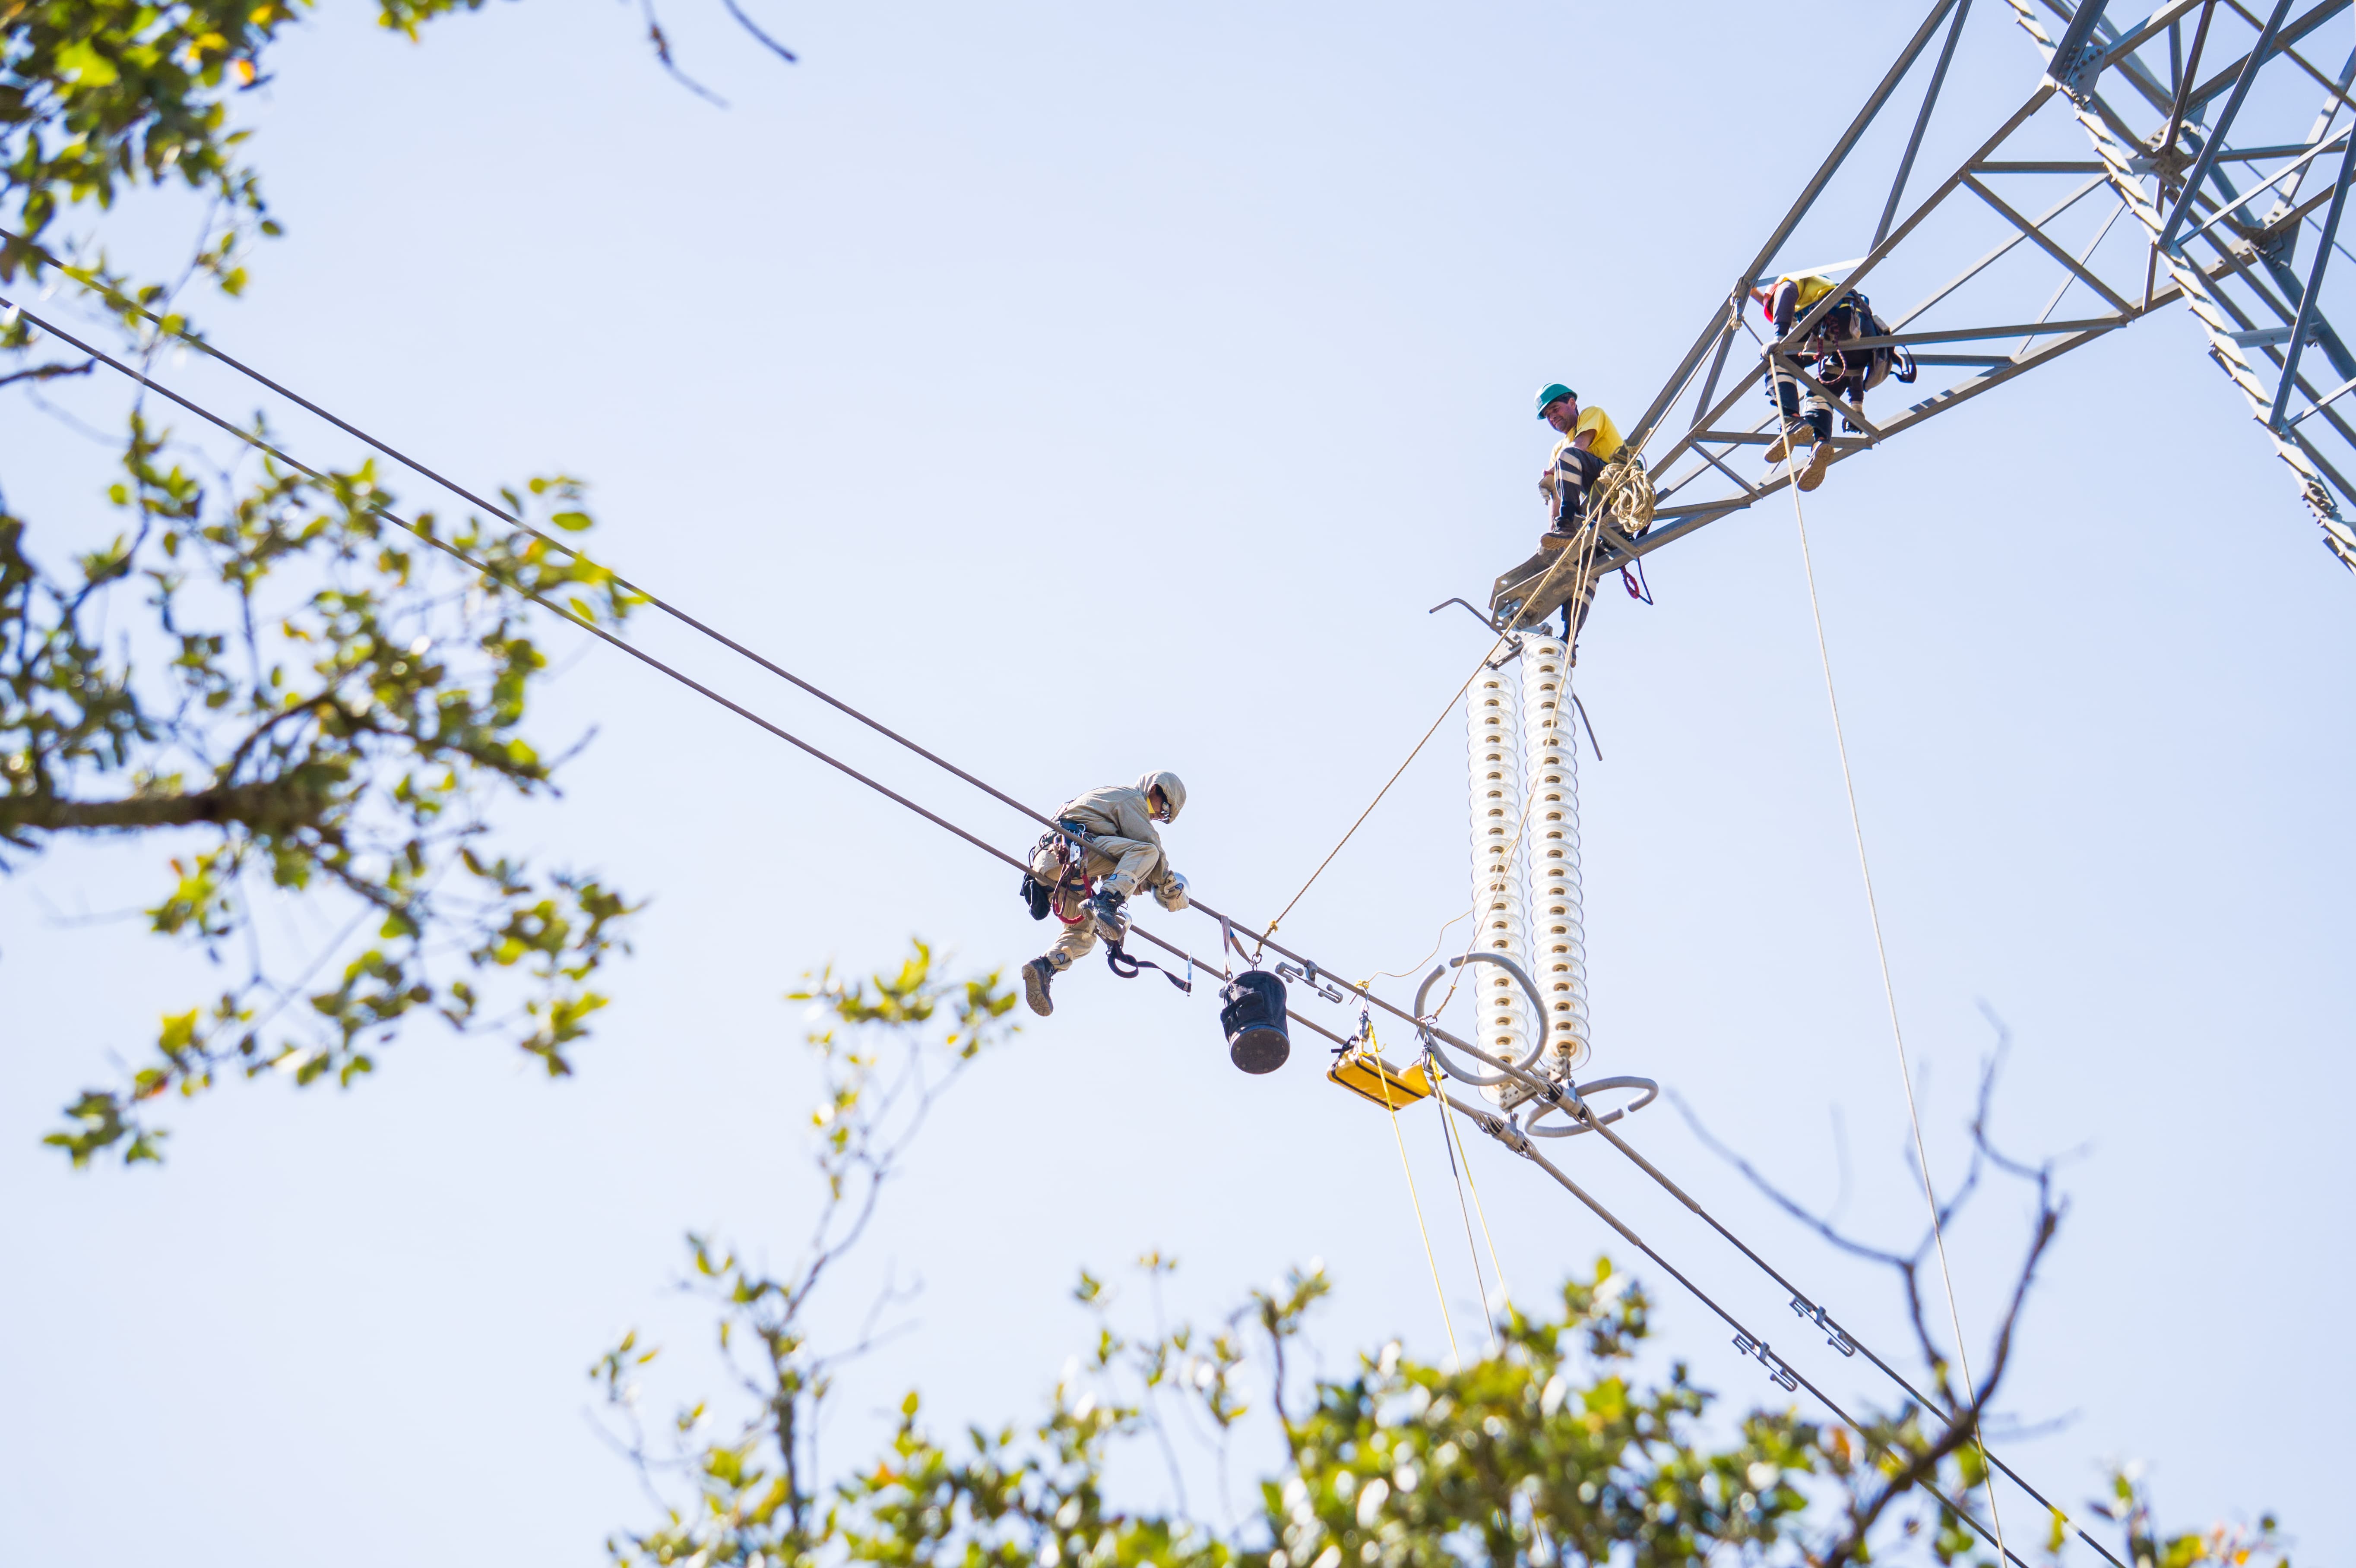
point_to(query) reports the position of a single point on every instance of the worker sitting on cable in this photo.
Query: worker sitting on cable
(1844, 373)
(1589, 440)
(1105, 839)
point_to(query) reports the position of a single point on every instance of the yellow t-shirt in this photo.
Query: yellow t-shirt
(1814, 287)
(1607, 434)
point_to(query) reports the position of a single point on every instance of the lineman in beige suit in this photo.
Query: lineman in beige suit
(1112, 837)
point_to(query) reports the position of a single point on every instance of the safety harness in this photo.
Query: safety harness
(1075, 888)
(1851, 316)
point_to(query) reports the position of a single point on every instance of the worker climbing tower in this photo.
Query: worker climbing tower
(1559, 939)
(1493, 725)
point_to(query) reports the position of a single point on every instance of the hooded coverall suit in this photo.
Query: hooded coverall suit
(1124, 851)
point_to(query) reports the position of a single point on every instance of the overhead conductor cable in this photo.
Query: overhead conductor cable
(1542, 1088)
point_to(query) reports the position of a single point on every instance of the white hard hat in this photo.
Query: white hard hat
(1173, 791)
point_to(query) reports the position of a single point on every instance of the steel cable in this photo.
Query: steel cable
(1264, 940)
(1778, 1367)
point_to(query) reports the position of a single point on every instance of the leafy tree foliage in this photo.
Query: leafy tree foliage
(1556, 1448)
(298, 692)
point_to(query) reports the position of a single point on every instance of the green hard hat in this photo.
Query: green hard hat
(1553, 391)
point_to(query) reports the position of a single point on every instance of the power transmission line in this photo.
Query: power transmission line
(1495, 1127)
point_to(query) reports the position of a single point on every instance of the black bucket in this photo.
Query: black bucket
(1253, 1016)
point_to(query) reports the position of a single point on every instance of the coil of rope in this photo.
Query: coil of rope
(1624, 499)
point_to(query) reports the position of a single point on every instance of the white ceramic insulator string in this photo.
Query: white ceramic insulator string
(1558, 915)
(1494, 752)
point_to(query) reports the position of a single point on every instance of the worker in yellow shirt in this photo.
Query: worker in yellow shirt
(1846, 373)
(1589, 440)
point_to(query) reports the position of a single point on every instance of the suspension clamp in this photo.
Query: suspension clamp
(1835, 1335)
(1779, 1371)
(1507, 1132)
(1306, 974)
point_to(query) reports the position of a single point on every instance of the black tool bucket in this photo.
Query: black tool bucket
(1253, 1016)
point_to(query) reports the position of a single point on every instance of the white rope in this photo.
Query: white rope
(1505, 1291)
(1416, 1202)
(1472, 1246)
(1889, 991)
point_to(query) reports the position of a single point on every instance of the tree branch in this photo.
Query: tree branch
(49, 372)
(745, 21)
(278, 807)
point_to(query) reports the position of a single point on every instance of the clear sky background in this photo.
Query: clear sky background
(1086, 390)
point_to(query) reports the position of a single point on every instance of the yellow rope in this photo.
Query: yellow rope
(1417, 1203)
(1413, 970)
(1890, 991)
(1402, 768)
(1625, 491)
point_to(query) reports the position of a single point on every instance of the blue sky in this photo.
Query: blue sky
(1090, 389)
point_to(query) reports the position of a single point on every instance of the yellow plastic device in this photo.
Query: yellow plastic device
(1365, 1073)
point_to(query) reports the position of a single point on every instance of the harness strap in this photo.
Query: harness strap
(1122, 964)
(1070, 876)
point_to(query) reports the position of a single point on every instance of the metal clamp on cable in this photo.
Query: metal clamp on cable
(1835, 1335)
(1589, 1120)
(1779, 1371)
(1305, 974)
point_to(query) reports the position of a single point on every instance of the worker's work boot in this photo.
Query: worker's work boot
(1111, 920)
(1037, 976)
(1797, 435)
(1559, 537)
(1818, 461)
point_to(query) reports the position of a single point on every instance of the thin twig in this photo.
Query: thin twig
(773, 47)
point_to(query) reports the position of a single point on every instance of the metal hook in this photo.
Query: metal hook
(1476, 614)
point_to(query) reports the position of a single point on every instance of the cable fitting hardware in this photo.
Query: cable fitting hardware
(1779, 1371)
(1835, 1335)
(1305, 974)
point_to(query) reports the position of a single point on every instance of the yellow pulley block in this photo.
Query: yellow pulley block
(1362, 1071)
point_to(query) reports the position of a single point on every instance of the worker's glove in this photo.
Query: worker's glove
(1111, 921)
(1545, 482)
(1171, 893)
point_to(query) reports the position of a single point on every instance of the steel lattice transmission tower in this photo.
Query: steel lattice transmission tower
(2223, 133)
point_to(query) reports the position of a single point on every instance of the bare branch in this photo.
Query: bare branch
(745, 21)
(661, 45)
(49, 372)
(1776, 1194)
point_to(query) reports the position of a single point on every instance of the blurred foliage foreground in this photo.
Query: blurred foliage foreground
(314, 700)
(1551, 1449)
(308, 702)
